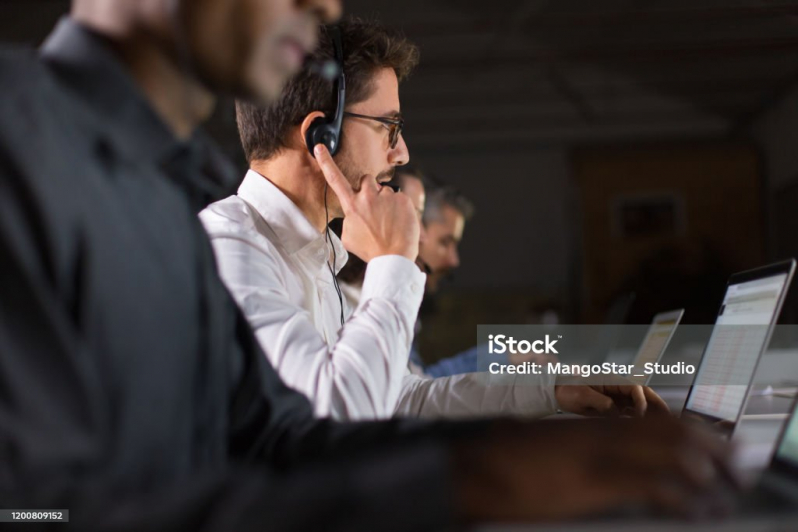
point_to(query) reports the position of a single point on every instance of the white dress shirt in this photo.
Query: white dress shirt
(275, 264)
(466, 395)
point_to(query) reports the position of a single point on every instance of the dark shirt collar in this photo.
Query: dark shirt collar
(86, 63)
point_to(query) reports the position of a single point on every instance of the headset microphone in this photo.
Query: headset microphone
(327, 69)
(326, 130)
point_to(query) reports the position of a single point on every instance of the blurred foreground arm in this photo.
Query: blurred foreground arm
(569, 468)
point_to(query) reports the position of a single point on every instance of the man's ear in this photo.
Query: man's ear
(303, 128)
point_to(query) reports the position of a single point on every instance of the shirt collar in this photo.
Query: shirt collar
(293, 230)
(86, 63)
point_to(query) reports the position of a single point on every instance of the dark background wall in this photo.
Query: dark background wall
(553, 116)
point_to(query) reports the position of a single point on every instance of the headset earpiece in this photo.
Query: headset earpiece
(326, 130)
(321, 131)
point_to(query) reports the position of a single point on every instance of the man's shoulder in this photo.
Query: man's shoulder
(22, 74)
(31, 98)
(232, 217)
(18, 59)
(228, 214)
(37, 116)
(244, 244)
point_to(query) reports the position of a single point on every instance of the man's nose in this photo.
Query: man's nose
(454, 259)
(400, 155)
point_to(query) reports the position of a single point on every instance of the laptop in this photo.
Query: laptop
(656, 341)
(778, 486)
(742, 331)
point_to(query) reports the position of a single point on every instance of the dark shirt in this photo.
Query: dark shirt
(132, 390)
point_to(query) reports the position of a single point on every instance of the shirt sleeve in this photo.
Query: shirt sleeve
(360, 377)
(477, 395)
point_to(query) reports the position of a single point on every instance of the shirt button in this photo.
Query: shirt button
(415, 288)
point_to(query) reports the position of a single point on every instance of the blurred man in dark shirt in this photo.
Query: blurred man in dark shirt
(133, 392)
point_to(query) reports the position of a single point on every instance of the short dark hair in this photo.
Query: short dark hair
(446, 196)
(368, 47)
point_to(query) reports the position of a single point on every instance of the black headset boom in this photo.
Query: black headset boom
(325, 130)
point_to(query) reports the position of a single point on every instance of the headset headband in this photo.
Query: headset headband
(339, 87)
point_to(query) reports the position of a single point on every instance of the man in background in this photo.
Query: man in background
(445, 214)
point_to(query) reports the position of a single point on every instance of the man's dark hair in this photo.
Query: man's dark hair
(446, 196)
(367, 47)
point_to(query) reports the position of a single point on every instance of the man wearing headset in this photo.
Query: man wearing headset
(134, 393)
(279, 259)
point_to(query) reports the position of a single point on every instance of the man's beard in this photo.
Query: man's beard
(353, 174)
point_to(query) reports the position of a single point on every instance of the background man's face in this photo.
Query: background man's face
(439, 248)
(250, 48)
(414, 189)
(365, 146)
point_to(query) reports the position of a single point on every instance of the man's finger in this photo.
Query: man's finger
(720, 450)
(594, 402)
(639, 400)
(656, 404)
(370, 184)
(334, 177)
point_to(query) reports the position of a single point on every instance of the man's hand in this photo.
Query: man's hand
(564, 469)
(609, 399)
(377, 220)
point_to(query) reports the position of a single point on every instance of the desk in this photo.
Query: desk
(755, 438)
(758, 429)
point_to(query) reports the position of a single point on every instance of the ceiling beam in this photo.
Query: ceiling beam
(667, 16)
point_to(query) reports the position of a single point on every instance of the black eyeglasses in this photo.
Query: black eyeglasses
(394, 125)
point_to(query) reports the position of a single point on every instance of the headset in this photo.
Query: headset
(326, 130)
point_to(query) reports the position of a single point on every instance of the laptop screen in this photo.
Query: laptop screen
(738, 338)
(788, 448)
(658, 336)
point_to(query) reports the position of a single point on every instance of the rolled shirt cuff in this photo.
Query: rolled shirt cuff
(395, 278)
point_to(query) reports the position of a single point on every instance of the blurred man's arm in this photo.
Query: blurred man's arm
(280, 469)
(294, 472)
(501, 470)
(61, 440)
